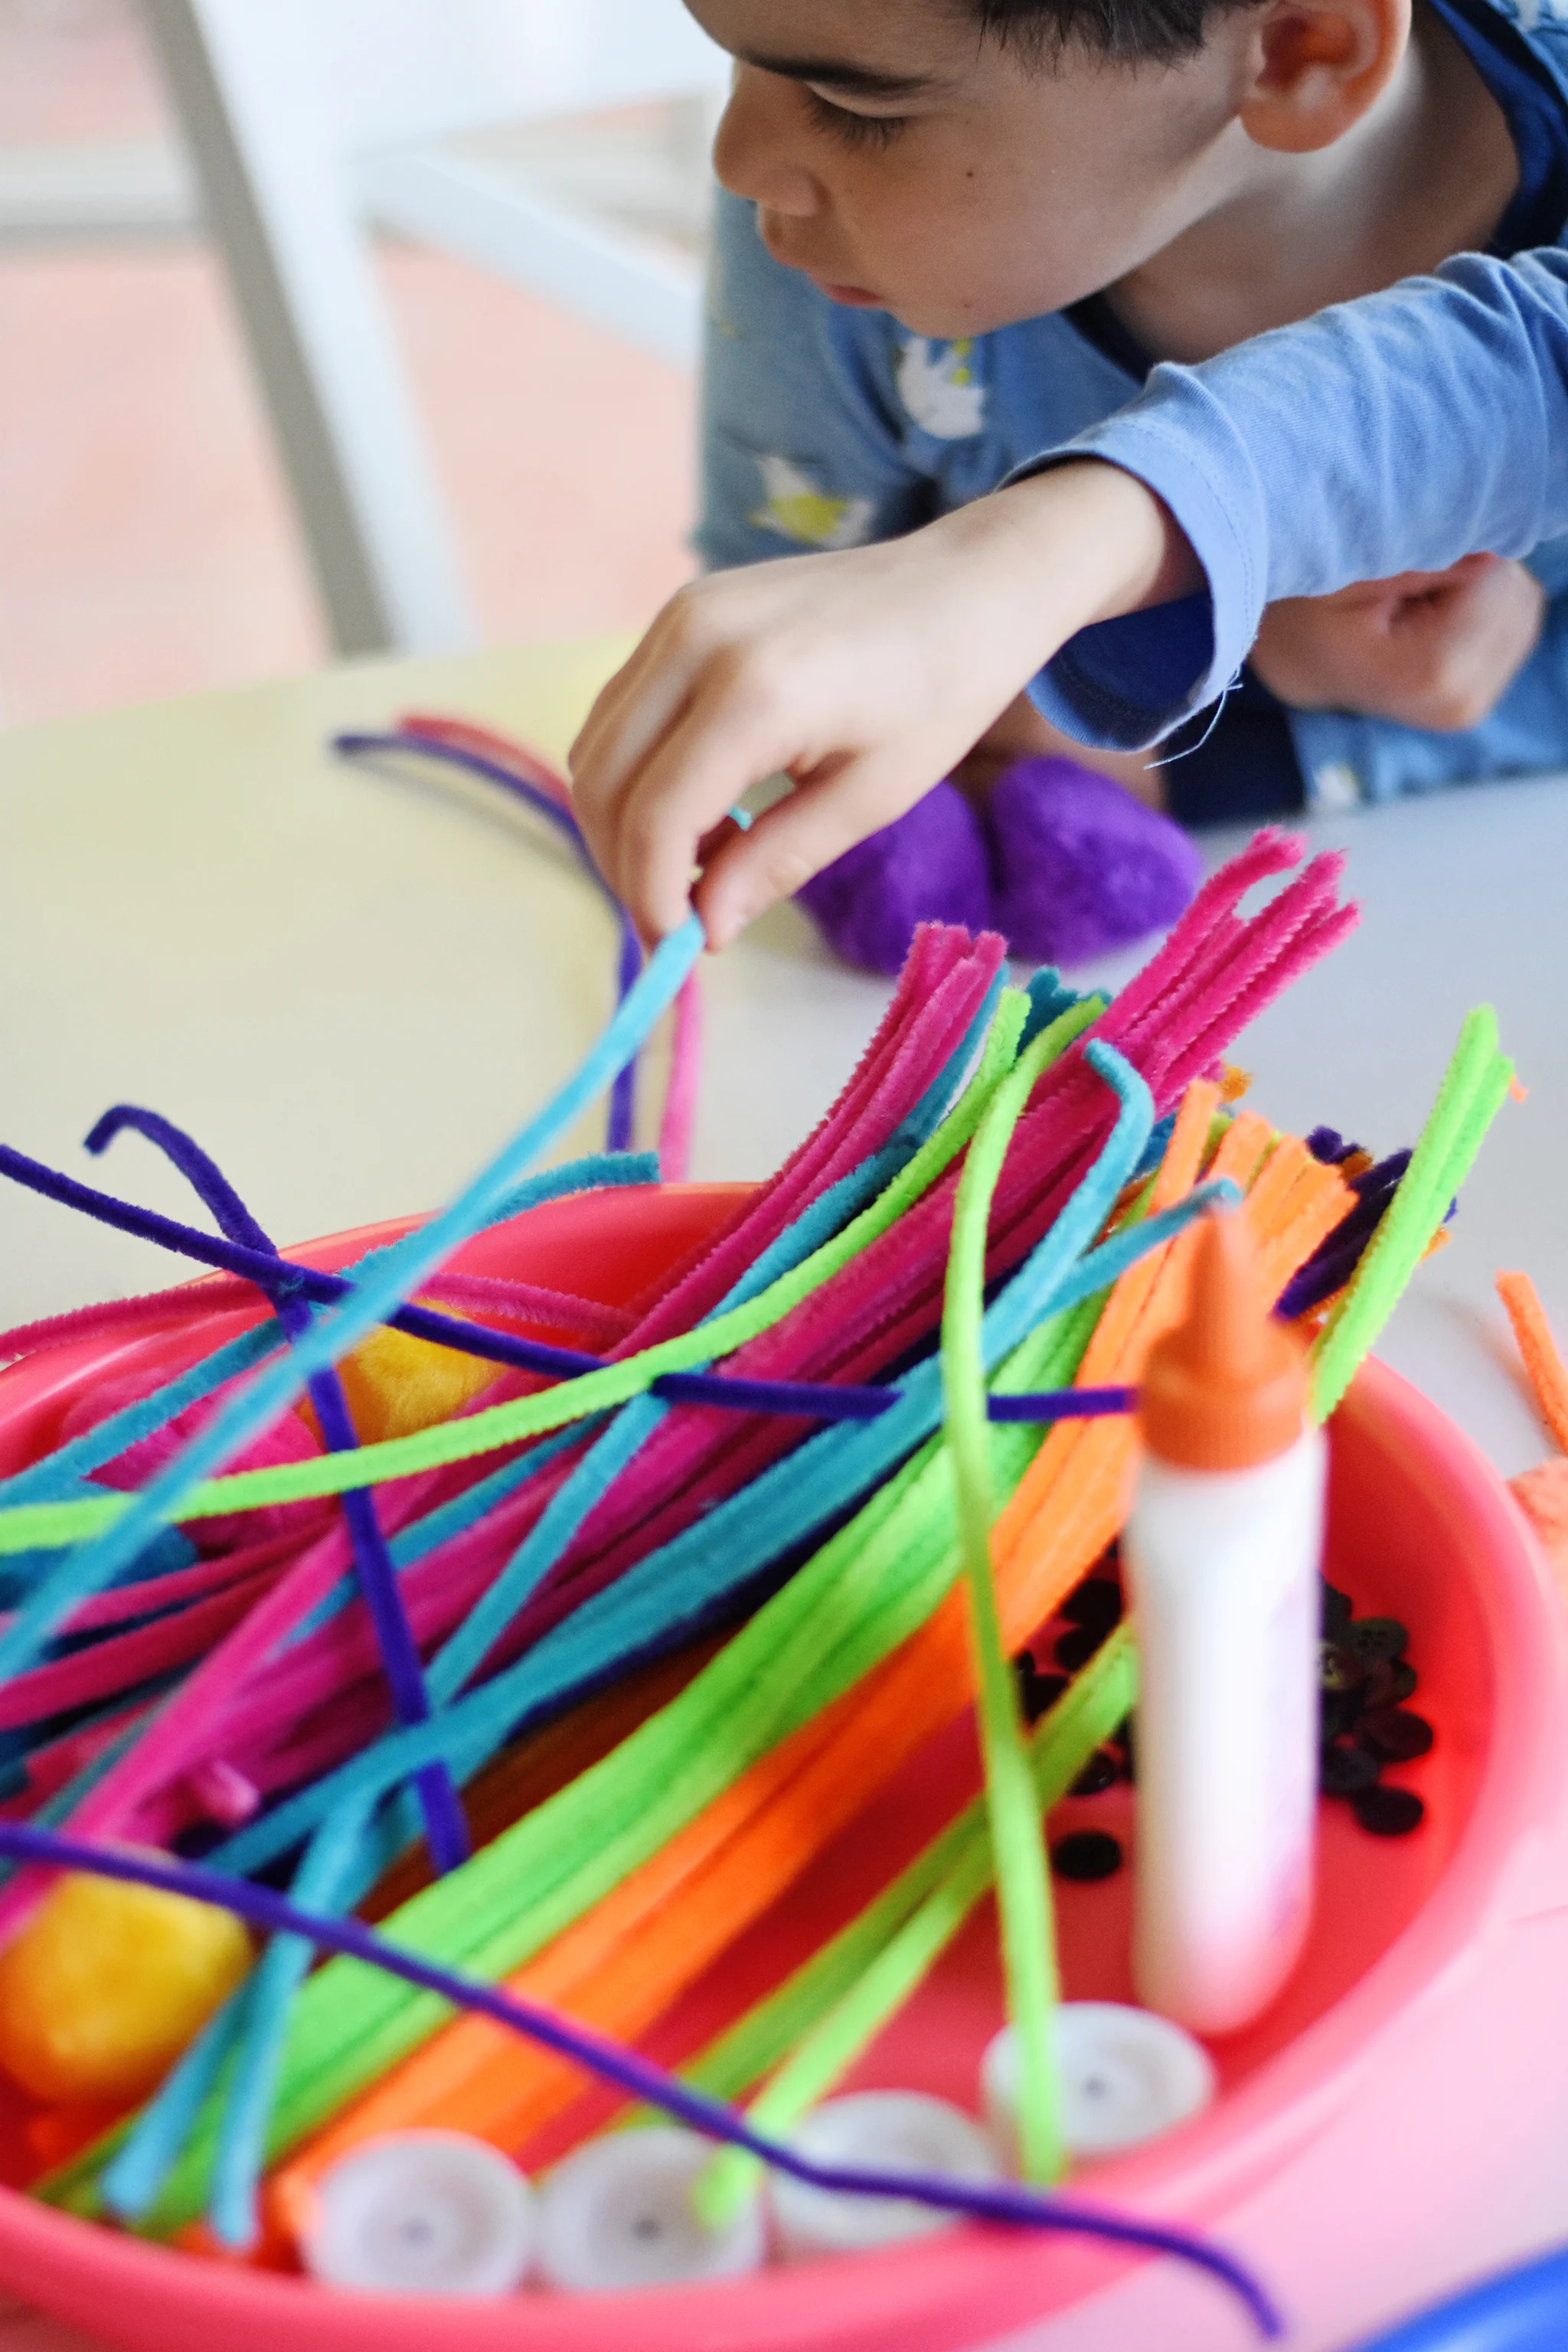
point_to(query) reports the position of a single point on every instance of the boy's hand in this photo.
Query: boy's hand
(1432, 649)
(864, 675)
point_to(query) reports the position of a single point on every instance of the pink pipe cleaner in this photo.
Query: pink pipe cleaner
(680, 1094)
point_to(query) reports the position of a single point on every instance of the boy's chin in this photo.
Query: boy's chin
(941, 322)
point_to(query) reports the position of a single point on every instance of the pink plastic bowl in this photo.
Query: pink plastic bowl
(1420, 1527)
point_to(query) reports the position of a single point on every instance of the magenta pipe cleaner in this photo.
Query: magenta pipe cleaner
(797, 1400)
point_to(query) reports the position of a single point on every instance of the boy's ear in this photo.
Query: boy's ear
(1316, 66)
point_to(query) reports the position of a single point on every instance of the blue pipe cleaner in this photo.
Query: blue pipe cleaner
(334, 1874)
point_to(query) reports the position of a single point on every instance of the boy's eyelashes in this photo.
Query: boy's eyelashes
(843, 123)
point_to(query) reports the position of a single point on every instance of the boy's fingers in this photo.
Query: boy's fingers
(629, 717)
(635, 713)
(657, 845)
(624, 728)
(698, 630)
(795, 839)
(736, 729)
(607, 707)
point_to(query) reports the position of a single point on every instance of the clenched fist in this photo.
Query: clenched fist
(1431, 649)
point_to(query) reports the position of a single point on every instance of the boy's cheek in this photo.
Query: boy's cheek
(947, 271)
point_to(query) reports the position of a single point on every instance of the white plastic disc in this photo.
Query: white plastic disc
(885, 2131)
(618, 2213)
(422, 2213)
(1127, 2075)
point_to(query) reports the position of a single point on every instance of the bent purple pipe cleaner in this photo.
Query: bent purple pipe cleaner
(445, 1824)
(804, 1400)
(613, 2063)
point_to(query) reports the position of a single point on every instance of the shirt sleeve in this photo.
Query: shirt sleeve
(1393, 434)
(802, 432)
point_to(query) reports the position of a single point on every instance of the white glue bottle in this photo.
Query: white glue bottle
(1222, 1552)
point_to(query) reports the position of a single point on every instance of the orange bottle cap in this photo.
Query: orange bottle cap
(1227, 1389)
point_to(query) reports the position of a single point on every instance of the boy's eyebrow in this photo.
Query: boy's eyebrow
(838, 73)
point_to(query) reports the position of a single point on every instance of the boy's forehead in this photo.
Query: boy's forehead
(880, 47)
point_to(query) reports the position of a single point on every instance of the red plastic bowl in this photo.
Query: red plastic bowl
(1419, 1526)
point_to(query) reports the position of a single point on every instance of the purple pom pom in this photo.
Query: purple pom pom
(1080, 865)
(931, 867)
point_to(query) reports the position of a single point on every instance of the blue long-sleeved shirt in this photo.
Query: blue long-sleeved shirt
(828, 427)
(1393, 434)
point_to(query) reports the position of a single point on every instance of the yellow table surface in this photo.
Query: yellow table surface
(351, 987)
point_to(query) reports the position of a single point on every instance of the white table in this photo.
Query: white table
(351, 989)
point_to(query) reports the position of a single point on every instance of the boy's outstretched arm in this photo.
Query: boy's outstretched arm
(1400, 433)
(865, 675)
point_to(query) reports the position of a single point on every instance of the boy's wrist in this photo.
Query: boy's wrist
(1127, 547)
(1083, 542)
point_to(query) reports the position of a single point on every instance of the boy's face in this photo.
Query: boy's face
(902, 161)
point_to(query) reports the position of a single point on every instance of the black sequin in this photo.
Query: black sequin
(1339, 1668)
(1337, 1713)
(1336, 1610)
(1376, 1637)
(1100, 1773)
(1076, 1646)
(1038, 1693)
(1389, 1812)
(1095, 1605)
(1345, 1771)
(1086, 1854)
(1396, 1733)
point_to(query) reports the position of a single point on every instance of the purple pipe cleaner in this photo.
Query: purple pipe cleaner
(613, 2063)
(802, 1401)
(445, 1824)
(1339, 1254)
(623, 1093)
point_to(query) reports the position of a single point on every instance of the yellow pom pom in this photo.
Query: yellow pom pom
(107, 1984)
(395, 1385)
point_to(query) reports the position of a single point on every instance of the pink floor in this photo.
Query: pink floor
(146, 543)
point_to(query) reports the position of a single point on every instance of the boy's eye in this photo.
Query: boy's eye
(853, 130)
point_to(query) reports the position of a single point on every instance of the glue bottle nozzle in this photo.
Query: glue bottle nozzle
(1227, 1389)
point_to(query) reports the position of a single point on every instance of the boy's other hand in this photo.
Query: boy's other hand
(864, 675)
(1021, 733)
(1430, 649)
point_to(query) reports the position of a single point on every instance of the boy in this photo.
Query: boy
(958, 230)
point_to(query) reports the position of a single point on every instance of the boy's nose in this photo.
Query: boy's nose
(757, 152)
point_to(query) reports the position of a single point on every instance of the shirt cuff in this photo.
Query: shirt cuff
(1129, 683)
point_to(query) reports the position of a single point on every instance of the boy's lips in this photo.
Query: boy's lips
(858, 298)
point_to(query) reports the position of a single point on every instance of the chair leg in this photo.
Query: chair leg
(324, 349)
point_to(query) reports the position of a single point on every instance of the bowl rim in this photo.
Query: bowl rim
(77, 2269)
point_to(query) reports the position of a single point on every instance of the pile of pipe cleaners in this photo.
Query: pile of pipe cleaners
(414, 1679)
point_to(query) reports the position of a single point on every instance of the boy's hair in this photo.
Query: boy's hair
(1156, 32)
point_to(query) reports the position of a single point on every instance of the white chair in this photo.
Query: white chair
(311, 121)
